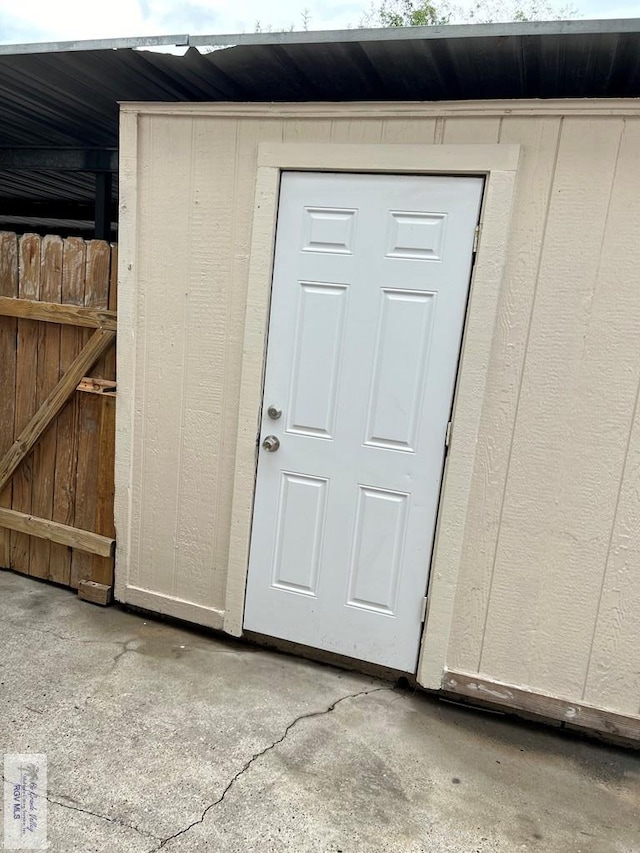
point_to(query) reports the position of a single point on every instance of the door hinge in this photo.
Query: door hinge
(423, 611)
(476, 239)
(447, 436)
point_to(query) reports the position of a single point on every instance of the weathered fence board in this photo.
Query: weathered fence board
(44, 454)
(25, 390)
(56, 443)
(8, 352)
(64, 493)
(96, 295)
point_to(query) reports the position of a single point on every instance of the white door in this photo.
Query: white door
(370, 287)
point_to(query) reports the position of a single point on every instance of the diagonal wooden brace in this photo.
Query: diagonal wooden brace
(98, 344)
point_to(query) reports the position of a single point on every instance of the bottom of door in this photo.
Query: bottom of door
(390, 646)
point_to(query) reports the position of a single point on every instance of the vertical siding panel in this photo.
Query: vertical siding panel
(404, 131)
(139, 199)
(224, 178)
(409, 131)
(539, 140)
(163, 249)
(203, 406)
(306, 130)
(359, 130)
(250, 134)
(128, 349)
(561, 488)
(613, 677)
(470, 130)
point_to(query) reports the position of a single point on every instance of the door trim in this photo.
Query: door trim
(498, 164)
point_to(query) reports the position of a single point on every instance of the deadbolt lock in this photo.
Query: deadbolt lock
(274, 413)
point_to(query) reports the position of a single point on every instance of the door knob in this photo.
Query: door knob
(271, 443)
(274, 413)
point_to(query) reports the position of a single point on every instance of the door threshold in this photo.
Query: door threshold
(330, 658)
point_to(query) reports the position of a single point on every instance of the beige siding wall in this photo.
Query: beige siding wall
(548, 588)
(548, 592)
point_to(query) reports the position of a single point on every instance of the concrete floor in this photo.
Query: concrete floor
(160, 737)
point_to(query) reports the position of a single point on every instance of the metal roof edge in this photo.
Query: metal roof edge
(450, 31)
(529, 28)
(94, 44)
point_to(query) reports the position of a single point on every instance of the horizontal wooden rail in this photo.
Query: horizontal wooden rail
(83, 540)
(98, 344)
(54, 312)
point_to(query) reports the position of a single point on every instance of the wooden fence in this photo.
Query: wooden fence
(57, 408)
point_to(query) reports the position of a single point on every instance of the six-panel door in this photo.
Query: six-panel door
(370, 287)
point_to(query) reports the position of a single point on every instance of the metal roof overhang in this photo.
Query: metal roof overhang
(59, 101)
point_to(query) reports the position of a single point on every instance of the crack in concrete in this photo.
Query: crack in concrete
(258, 755)
(106, 818)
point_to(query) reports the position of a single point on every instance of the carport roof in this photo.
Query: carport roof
(65, 95)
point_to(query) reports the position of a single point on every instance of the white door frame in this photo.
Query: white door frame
(498, 164)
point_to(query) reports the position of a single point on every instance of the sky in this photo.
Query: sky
(46, 20)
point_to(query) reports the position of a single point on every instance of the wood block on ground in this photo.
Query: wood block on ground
(96, 593)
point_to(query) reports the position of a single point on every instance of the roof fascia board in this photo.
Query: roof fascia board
(389, 109)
